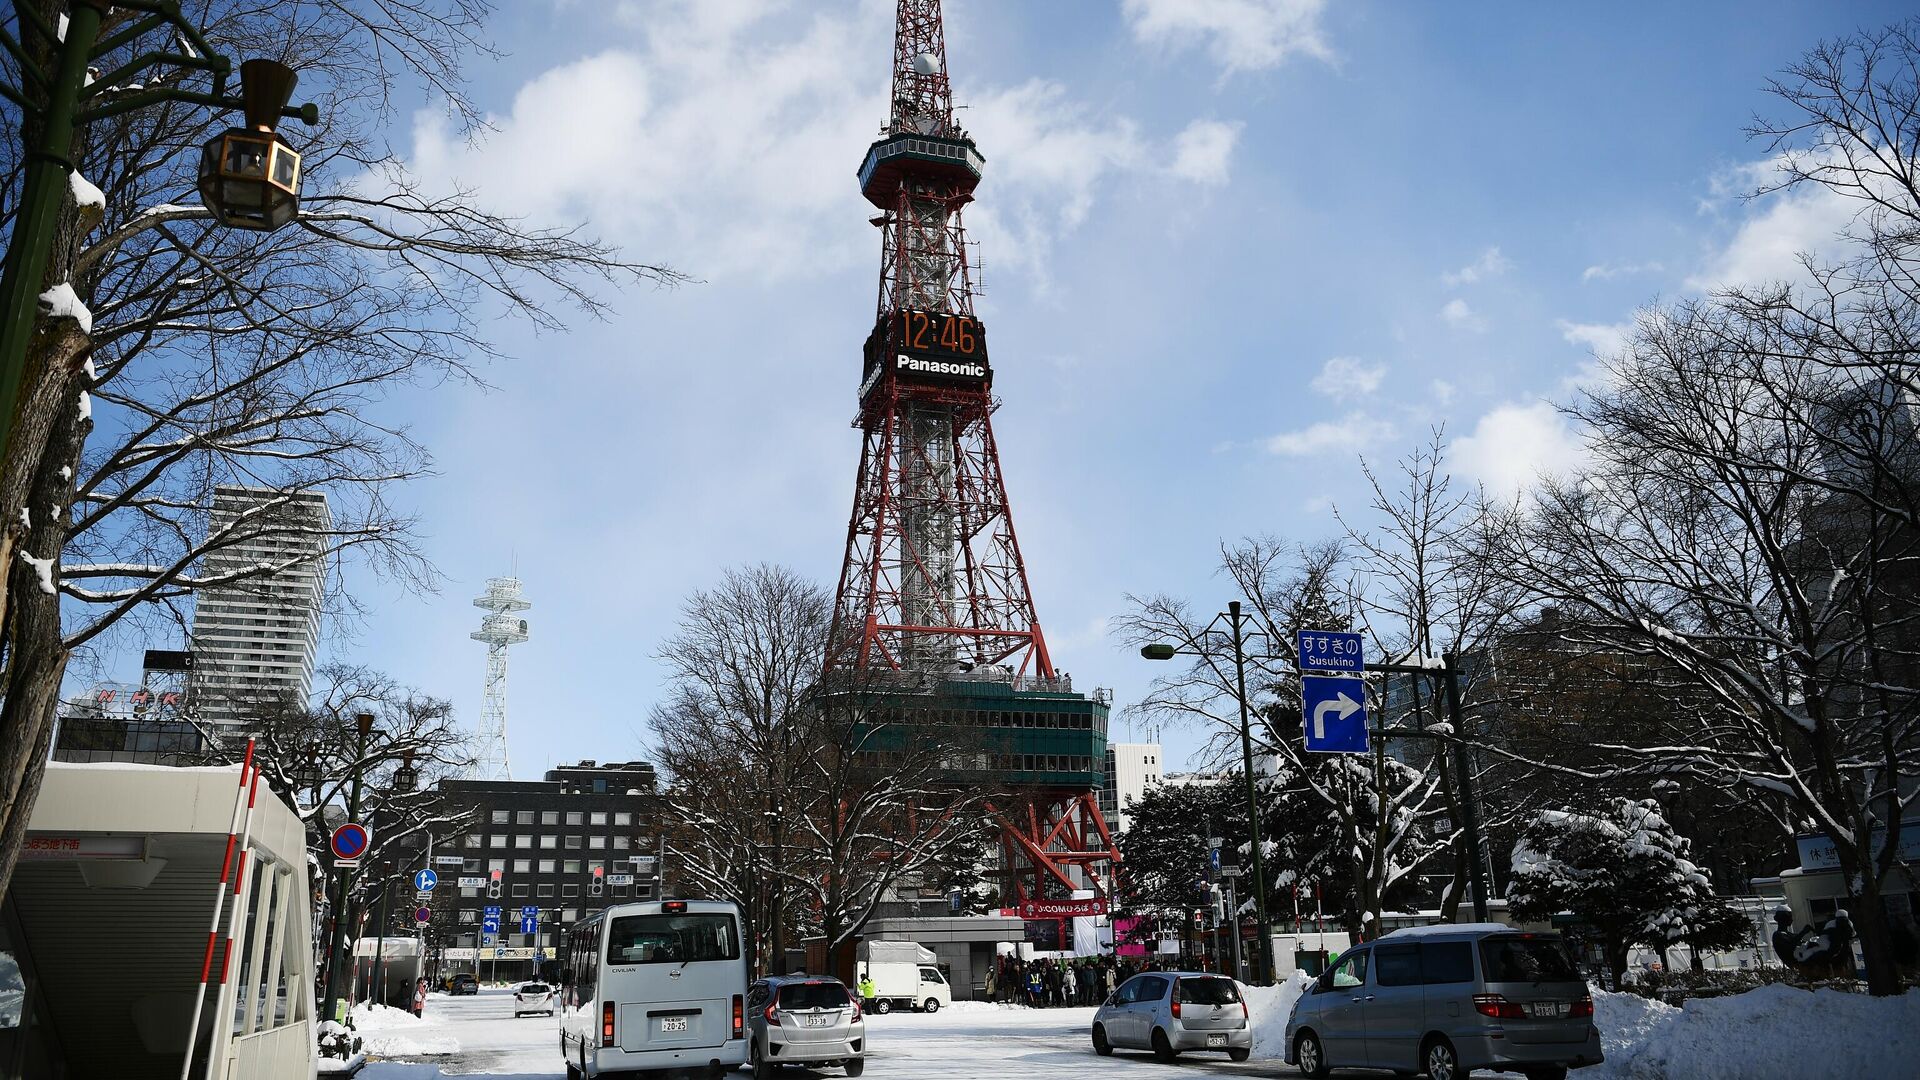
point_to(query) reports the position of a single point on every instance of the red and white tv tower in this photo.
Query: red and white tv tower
(933, 585)
(932, 577)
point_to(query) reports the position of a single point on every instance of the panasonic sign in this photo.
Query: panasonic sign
(907, 364)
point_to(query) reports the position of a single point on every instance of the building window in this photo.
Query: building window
(524, 841)
(598, 817)
(522, 866)
(499, 817)
(471, 840)
(544, 890)
(496, 864)
(573, 817)
(619, 890)
(469, 916)
(571, 866)
(524, 817)
(549, 842)
(497, 840)
(546, 866)
(573, 843)
(570, 890)
(571, 914)
(470, 866)
(623, 817)
(597, 843)
(596, 867)
(549, 817)
(519, 890)
(620, 843)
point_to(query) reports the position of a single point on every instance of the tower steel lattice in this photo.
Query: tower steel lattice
(932, 582)
(499, 628)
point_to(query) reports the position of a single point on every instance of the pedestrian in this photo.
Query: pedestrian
(866, 989)
(1036, 985)
(989, 982)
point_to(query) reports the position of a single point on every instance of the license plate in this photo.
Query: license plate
(816, 1021)
(1217, 1040)
(1547, 1010)
(673, 1023)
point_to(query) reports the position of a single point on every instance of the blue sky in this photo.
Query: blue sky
(1229, 246)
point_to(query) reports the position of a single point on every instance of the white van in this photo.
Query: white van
(657, 985)
(905, 975)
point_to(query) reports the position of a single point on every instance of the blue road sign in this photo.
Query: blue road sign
(529, 924)
(1335, 714)
(492, 911)
(350, 841)
(425, 880)
(1332, 652)
(490, 919)
(1213, 859)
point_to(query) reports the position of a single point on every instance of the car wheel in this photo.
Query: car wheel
(1100, 1044)
(1239, 1054)
(856, 1066)
(1312, 1059)
(883, 1006)
(573, 1072)
(1163, 1049)
(1440, 1061)
(933, 1005)
(758, 1067)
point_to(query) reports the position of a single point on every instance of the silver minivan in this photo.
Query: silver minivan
(804, 1020)
(1445, 1000)
(1171, 1011)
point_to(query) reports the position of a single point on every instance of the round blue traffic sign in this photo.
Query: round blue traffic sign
(350, 841)
(422, 915)
(425, 880)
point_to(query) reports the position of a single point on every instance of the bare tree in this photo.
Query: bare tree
(217, 356)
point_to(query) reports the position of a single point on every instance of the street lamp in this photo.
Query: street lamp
(1263, 956)
(250, 176)
(73, 94)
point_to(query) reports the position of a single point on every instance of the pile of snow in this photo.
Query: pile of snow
(982, 1006)
(332, 1066)
(1270, 1006)
(388, 1032)
(1772, 1031)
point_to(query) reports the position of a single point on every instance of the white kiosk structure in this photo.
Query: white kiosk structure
(501, 627)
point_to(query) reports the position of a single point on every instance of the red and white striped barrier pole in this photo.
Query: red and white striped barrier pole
(242, 817)
(237, 914)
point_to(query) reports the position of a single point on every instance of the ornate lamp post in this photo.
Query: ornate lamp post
(250, 176)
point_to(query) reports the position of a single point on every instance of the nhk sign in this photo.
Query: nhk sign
(1057, 909)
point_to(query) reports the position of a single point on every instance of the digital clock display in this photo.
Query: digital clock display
(940, 333)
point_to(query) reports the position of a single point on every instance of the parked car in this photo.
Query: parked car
(1168, 1012)
(804, 1020)
(464, 983)
(533, 997)
(1445, 1000)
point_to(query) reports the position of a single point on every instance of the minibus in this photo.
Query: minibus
(655, 985)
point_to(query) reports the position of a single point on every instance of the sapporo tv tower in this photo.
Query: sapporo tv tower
(933, 587)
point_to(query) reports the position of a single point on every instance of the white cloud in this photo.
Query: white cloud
(1609, 271)
(1515, 445)
(1783, 226)
(1240, 35)
(1343, 377)
(1204, 151)
(1352, 432)
(1442, 392)
(1490, 264)
(1601, 339)
(1458, 315)
(722, 141)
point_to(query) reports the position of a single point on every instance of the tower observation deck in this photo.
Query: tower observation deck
(932, 583)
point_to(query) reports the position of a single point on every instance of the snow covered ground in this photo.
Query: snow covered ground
(1772, 1032)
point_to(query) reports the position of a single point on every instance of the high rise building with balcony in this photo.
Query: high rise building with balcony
(254, 638)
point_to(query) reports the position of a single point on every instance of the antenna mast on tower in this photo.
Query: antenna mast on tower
(500, 628)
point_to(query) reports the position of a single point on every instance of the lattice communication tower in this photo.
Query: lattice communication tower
(500, 627)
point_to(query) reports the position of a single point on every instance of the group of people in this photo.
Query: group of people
(1044, 983)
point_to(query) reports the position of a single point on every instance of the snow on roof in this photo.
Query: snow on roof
(1438, 929)
(134, 766)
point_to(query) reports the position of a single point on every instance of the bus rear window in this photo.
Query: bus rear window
(672, 939)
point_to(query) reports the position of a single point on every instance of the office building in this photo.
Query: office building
(545, 839)
(254, 639)
(1132, 768)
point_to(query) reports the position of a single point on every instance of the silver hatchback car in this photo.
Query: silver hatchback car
(1171, 1011)
(1445, 1000)
(804, 1020)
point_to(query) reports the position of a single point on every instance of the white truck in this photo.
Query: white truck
(905, 976)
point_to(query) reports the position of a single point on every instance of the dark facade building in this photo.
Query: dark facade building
(585, 837)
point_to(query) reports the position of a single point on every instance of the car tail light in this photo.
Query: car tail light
(1498, 1007)
(1583, 1007)
(674, 907)
(1176, 1004)
(606, 1024)
(773, 1008)
(856, 1007)
(1244, 1014)
(739, 1016)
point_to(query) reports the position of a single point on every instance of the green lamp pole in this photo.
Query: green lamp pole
(1263, 956)
(66, 92)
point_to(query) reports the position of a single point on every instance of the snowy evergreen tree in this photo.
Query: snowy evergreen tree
(1624, 871)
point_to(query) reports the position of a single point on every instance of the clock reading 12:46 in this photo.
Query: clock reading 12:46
(940, 333)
